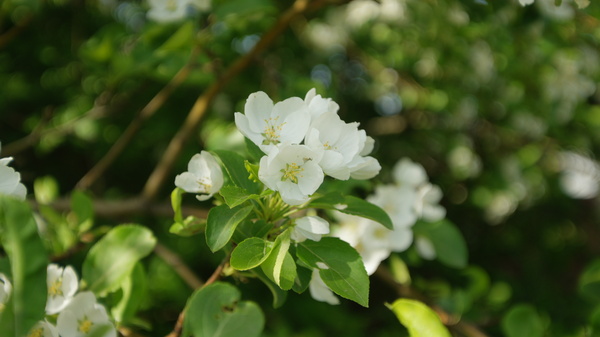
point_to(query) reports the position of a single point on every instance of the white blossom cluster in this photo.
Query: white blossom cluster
(10, 180)
(304, 140)
(165, 11)
(411, 197)
(75, 314)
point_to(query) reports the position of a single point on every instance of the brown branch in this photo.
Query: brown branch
(155, 103)
(464, 328)
(17, 29)
(199, 108)
(178, 265)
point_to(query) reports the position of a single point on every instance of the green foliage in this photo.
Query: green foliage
(134, 290)
(340, 267)
(113, 258)
(221, 224)
(522, 320)
(279, 266)
(589, 281)
(418, 318)
(250, 253)
(354, 206)
(234, 164)
(449, 244)
(216, 311)
(28, 262)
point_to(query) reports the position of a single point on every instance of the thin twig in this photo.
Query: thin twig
(197, 112)
(155, 103)
(466, 329)
(178, 265)
(17, 29)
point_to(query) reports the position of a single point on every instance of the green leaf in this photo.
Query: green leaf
(235, 195)
(302, 280)
(253, 150)
(250, 253)
(215, 311)
(181, 39)
(589, 281)
(522, 321)
(111, 260)
(450, 246)
(45, 189)
(176, 203)
(221, 224)
(241, 8)
(190, 226)
(418, 318)
(234, 165)
(279, 266)
(248, 229)
(134, 290)
(279, 295)
(340, 267)
(354, 206)
(82, 206)
(28, 263)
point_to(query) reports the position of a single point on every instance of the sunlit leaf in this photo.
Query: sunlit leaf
(418, 318)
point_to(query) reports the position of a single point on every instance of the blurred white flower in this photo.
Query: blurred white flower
(398, 202)
(174, 10)
(267, 125)
(204, 176)
(525, 2)
(293, 171)
(62, 285)
(320, 291)
(43, 329)
(425, 248)
(310, 227)
(85, 317)
(427, 203)
(10, 180)
(5, 291)
(406, 172)
(580, 176)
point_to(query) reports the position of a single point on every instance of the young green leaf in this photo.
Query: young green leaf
(221, 224)
(589, 281)
(340, 266)
(234, 165)
(215, 311)
(279, 295)
(190, 226)
(28, 263)
(450, 246)
(235, 195)
(279, 266)
(302, 280)
(253, 150)
(522, 321)
(134, 289)
(418, 318)
(111, 260)
(248, 229)
(176, 203)
(250, 253)
(354, 206)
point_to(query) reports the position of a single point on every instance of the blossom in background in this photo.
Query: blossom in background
(293, 171)
(204, 176)
(5, 291)
(165, 11)
(62, 285)
(525, 2)
(427, 204)
(398, 202)
(43, 329)
(580, 176)
(268, 125)
(320, 291)
(10, 180)
(425, 248)
(85, 317)
(310, 227)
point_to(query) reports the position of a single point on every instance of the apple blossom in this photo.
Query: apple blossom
(398, 202)
(62, 285)
(427, 207)
(320, 291)
(267, 125)
(5, 291)
(407, 172)
(85, 317)
(43, 329)
(310, 227)
(318, 105)
(10, 180)
(293, 171)
(425, 248)
(204, 175)
(174, 10)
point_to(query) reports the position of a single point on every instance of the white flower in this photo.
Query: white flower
(43, 329)
(267, 125)
(174, 10)
(425, 248)
(340, 142)
(580, 176)
(62, 285)
(320, 291)
(318, 105)
(525, 2)
(10, 180)
(84, 317)
(293, 170)
(5, 291)
(362, 166)
(407, 172)
(398, 202)
(310, 227)
(427, 207)
(204, 175)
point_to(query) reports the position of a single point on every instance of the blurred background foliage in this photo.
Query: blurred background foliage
(499, 102)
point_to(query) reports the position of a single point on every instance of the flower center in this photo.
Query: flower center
(205, 186)
(171, 5)
(39, 332)
(291, 172)
(56, 288)
(85, 326)
(272, 130)
(328, 146)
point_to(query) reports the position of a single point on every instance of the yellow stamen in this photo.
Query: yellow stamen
(291, 172)
(85, 326)
(272, 130)
(39, 332)
(55, 288)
